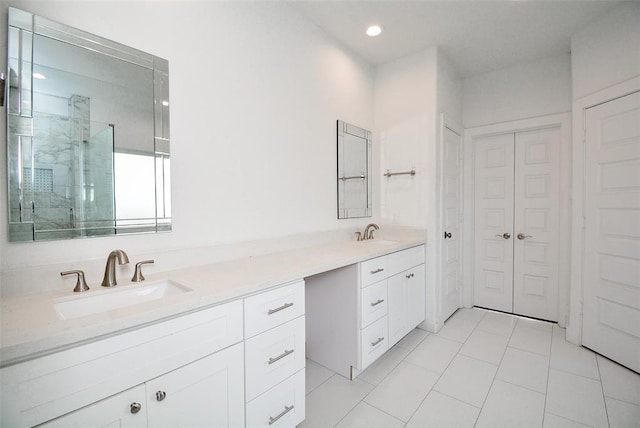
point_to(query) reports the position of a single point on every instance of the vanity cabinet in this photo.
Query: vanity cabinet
(207, 392)
(191, 370)
(372, 305)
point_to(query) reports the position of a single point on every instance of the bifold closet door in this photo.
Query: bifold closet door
(493, 260)
(516, 222)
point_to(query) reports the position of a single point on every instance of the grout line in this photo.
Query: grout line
(604, 400)
(321, 383)
(440, 374)
(546, 392)
(495, 374)
(570, 420)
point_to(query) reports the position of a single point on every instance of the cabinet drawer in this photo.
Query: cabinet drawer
(383, 267)
(374, 342)
(273, 356)
(373, 303)
(42, 389)
(272, 308)
(281, 406)
(405, 259)
(373, 270)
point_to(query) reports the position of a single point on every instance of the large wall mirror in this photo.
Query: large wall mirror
(354, 169)
(87, 134)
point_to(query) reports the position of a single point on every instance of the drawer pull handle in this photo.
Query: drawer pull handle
(135, 407)
(280, 308)
(411, 275)
(273, 419)
(281, 356)
(377, 303)
(160, 395)
(377, 270)
(374, 343)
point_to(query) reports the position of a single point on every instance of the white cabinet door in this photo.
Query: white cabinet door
(611, 317)
(406, 295)
(416, 290)
(207, 392)
(536, 223)
(397, 309)
(493, 256)
(126, 409)
(451, 200)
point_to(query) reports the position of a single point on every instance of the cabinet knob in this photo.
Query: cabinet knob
(447, 235)
(135, 407)
(160, 395)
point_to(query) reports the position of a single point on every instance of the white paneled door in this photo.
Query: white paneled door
(493, 255)
(517, 222)
(611, 311)
(451, 197)
(536, 223)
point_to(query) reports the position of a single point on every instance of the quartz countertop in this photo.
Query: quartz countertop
(31, 327)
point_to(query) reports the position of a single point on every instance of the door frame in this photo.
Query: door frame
(561, 120)
(446, 121)
(580, 106)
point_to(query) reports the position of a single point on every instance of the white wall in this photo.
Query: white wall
(607, 51)
(520, 92)
(255, 93)
(404, 135)
(410, 94)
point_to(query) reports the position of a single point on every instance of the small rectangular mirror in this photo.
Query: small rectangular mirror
(354, 170)
(87, 134)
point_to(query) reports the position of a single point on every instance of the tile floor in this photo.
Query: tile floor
(483, 369)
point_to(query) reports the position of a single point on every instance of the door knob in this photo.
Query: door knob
(522, 236)
(505, 235)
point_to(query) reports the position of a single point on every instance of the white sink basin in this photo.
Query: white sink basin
(379, 241)
(113, 298)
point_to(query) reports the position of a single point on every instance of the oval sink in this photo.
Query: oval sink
(110, 299)
(380, 241)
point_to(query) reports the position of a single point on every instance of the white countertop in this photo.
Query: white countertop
(30, 326)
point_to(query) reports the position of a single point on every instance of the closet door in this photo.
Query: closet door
(451, 243)
(611, 313)
(493, 261)
(536, 223)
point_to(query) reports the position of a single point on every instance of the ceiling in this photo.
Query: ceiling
(477, 36)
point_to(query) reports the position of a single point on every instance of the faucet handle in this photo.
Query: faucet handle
(81, 284)
(137, 275)
(358, 236)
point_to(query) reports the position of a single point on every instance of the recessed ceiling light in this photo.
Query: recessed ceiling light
(374, 30)
(39, 76)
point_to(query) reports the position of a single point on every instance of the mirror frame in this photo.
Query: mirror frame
(344, 129)
(20, 122)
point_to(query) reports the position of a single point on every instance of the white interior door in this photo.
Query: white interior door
(493, 255)
(536, 223)
(451, 201)
(611, 311)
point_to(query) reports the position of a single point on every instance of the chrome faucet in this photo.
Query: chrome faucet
(109, 279)
(368, 232)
